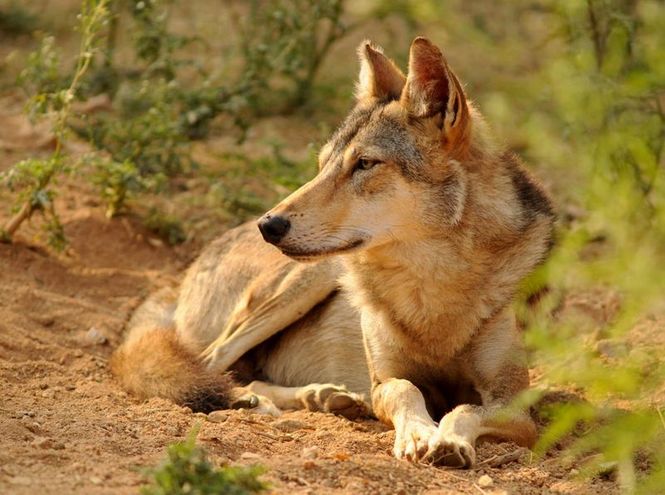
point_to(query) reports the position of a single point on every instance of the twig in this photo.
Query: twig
(597, 36)
(500, 460)
(14, 223)
(92, 17)
(273, 437)
(660, 415)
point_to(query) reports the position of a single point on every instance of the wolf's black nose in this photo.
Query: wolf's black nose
(274, 229)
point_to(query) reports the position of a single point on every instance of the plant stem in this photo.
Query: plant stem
(15, 222)
(89, 26)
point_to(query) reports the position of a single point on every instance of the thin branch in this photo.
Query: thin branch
(500, 460)
(15, 222)
(597, 36)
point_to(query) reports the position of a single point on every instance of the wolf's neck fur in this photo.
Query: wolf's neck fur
(427, 289)
(441, 289)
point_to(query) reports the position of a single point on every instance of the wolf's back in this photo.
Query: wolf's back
(152, 362)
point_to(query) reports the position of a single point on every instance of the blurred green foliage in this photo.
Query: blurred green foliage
(288, 39)
(165, 226)
(237, 194)
(117, 182)
(187, 470)
(34, 179)
(589, 113)
(164, 97)
(15, 20)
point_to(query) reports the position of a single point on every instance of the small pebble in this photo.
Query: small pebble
(43, 443)
(20, 480)
(355, 487)
(608, 470)
(485, 481)
(33, 427)
(95, 336)
(341, 456)
(310, 452)
(47, 321)
(289, 425)
(612, 348)
(48, 394)
(309, 464)
(217, 416)
(95, 480)
(250, 456)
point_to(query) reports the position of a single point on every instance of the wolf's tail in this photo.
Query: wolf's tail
(151, 362)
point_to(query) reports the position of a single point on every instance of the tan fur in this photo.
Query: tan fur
(280, 320)
(437, 226)
(432, 225)
(156, 364)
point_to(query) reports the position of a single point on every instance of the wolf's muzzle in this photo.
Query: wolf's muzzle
(273, 229)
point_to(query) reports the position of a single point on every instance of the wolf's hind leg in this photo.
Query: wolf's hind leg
(244, 398)
(323, 397)
(264, 312)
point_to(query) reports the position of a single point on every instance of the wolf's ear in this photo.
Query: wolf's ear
(379, 76)
(432, 88)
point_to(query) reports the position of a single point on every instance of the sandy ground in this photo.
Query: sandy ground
(66, 426)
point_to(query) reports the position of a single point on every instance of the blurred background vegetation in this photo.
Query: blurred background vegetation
(199, 115)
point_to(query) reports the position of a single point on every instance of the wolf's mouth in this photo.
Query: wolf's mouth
(300, 255)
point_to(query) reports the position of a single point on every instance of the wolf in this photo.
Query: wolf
(384, 287)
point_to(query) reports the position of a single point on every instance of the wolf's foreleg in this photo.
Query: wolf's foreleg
(500, 373)
(398, 402)
(453, 444)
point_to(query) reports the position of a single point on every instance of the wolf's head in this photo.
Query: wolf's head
(394, 171)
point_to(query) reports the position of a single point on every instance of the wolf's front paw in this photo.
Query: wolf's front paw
(333, 399)
(412, 440)
(447, 449)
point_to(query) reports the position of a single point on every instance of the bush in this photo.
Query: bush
(53, 96)
(16, 20)
(164, 98)
(187, 470)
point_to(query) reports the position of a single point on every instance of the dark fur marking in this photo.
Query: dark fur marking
(390, 135)
(211, 395)
(551, 241)
(385, 133)
(532, 199)
(448, 194)
(356, 120)
(455, 111)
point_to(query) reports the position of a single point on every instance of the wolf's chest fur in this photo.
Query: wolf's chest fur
(431, 294)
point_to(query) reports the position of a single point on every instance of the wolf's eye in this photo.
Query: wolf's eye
(364, 164)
